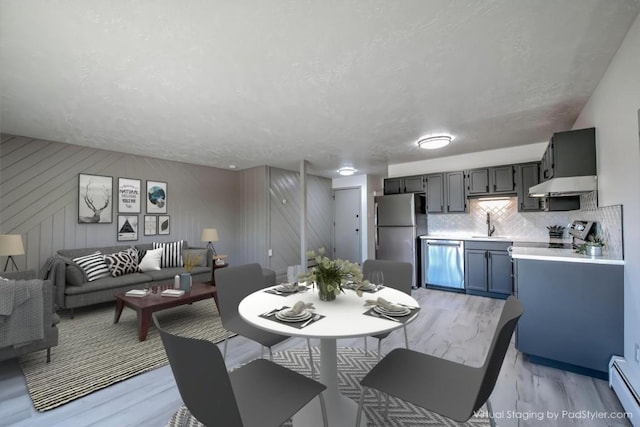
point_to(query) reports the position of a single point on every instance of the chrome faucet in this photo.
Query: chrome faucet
(490, 227)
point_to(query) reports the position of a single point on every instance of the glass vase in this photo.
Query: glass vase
(324, 293)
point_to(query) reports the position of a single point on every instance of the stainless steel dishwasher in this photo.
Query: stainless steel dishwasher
(443, 264)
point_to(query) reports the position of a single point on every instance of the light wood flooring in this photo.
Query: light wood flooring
(451, 325)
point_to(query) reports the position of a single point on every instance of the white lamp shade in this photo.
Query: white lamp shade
(11, 244)
(209, 235)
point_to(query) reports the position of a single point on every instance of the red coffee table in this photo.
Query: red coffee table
(151, 303)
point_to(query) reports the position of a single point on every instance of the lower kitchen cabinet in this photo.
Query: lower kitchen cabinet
(573, 314)
(488, 268)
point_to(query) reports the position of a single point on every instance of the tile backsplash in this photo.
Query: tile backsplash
(531, 225)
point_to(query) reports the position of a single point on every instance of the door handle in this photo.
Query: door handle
(357, 230)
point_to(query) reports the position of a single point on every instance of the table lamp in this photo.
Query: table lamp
(10, 245)
(210, 235)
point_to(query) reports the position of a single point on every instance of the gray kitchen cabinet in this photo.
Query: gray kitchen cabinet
(414, 184)
(454, 192)
(488, 268)
(570, 153)
(501, 179)
(490, 181)
(475, 270)
(435, 193)
(573, 314)
(407, 184)
(393, 185)
(478, 181)
(527, 175)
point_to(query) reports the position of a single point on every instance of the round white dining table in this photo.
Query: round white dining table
(344, 318)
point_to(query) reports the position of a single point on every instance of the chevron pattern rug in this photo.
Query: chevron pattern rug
(94, 353)
(353, 364)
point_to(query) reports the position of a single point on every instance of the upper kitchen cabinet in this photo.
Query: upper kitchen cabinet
(414, 184)
(570, 153)
(393, 185)
(408, 184)
(445, 192)
(478, 181)
(435, 193)
(456, 199)
(490, 181)
(527, 175)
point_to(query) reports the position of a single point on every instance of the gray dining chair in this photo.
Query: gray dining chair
(233, 284)
(448, 388)
(260, 393)
(397, 275)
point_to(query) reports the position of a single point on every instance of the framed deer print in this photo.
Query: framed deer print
(95, 199)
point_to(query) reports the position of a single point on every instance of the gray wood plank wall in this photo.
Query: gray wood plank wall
(39, 197)
(39, 200)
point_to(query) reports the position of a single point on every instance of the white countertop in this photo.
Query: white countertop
(566, 255)
(476, 237)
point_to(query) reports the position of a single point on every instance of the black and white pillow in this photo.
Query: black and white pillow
(171, 254)
(93, 265)
(120, 263)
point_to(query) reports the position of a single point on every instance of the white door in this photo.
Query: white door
(347, 224)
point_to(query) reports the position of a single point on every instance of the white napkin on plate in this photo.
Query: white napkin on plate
(383, 303)
(298, 308)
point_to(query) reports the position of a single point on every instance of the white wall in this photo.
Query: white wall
(613, 110)
(504, 156)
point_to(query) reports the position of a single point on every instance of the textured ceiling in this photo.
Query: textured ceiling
(272, 82)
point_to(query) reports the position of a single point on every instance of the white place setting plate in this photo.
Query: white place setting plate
(285, 317)
(287, 288)
(403, 311)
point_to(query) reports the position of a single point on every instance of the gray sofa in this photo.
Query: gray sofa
(72, 290)
(49, 318)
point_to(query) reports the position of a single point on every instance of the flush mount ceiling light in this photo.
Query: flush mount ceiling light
(434, 142)
(232, 166)
(346, 171)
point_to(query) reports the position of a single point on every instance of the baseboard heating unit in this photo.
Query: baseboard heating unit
(623, 388)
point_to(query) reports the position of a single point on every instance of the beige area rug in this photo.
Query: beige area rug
(94, 353)
(353, 365)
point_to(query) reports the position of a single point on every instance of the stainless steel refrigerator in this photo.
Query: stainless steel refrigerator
(399, 220)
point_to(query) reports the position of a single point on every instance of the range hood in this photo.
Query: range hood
(567, 186)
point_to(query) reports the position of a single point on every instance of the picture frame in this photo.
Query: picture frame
(150, 225)
(156, 196)
(127, 228)
(164, 224)
(129, 195)
(95, 199)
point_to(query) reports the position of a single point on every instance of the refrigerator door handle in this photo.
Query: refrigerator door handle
(375, 236)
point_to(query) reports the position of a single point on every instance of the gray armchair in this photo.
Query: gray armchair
(49, 318)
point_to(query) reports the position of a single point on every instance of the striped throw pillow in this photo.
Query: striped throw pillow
(122, 262)
(171, 254)
(93, 266)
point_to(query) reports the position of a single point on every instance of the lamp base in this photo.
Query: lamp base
(6, 264)
(210, 246)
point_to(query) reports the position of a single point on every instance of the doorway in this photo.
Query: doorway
(347, 225)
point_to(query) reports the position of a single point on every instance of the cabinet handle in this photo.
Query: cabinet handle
(521, 205)
(447, 207)
(495, 187)
(441, 207)
(487, 190)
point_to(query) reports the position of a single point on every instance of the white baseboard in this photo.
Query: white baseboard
(621, 385)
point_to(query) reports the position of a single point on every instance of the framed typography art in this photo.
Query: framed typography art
(128, 195)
